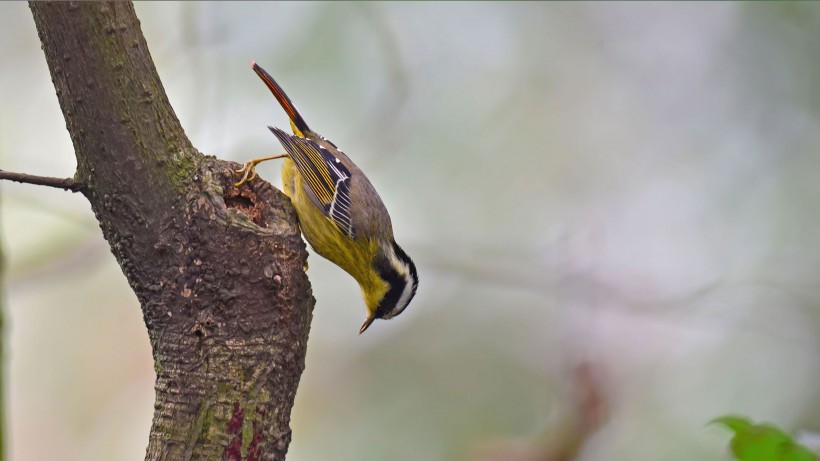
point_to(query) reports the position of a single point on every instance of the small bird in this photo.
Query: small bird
(340, 213)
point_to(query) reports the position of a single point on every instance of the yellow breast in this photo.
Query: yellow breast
(354, 256)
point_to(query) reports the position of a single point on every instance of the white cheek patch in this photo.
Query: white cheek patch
(409, 285)
(406, 295)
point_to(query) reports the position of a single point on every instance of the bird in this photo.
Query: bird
(340, 213)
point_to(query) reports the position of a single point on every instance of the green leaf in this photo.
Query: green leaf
(762, 442)
(735, 423)
(799, 453)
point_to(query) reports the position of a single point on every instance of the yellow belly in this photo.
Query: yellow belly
(354, 256)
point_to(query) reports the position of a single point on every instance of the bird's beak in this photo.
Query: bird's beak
(367, 323)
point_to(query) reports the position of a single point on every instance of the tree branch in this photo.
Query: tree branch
(59, 183)
(218, 270)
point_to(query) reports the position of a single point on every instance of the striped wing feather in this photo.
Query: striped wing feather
(327, 180)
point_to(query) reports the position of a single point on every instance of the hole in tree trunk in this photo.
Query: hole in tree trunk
(245, 201)
(238, 202)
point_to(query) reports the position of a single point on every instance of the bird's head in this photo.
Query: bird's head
(400, 280)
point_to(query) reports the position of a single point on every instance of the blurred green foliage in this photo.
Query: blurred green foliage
(763, 442)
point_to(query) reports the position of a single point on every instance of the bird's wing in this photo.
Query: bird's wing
(326, 178)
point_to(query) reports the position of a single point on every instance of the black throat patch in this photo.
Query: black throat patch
(396, 281)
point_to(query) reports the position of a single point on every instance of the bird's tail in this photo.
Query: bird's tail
(297, 122)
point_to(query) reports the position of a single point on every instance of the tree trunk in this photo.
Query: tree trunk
(218, 270)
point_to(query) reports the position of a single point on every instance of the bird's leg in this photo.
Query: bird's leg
(249, 169)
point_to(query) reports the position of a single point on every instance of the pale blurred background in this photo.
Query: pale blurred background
(614, 210)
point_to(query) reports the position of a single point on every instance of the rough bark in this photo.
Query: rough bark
(218, 270)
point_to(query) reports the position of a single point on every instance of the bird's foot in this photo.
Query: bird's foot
(248, 170)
